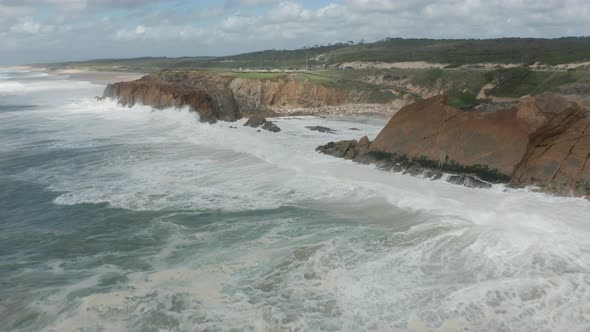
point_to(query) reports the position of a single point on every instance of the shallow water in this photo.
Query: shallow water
(117, 218)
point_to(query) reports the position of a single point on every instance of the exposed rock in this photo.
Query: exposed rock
(321, 129)
(575, 89)
(210, 101)
(352, 149)
(542, 141)
(258, 120)
(275, 95)
(364, 144)
(255, 121)
(268, 125)
(337, 149)
(432, 130)
(228, 97)
(355, 129)
(492, 106)
(468, 181)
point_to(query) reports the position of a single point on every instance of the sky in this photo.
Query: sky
(34, 31)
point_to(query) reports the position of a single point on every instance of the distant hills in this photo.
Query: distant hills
(455, 52)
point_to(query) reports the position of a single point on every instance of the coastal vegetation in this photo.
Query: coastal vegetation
(453, 52)
(508, 67)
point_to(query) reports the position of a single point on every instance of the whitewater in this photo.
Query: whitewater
(131, 219)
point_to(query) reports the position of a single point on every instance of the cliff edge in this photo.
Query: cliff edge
(542, 140)
(230, 96)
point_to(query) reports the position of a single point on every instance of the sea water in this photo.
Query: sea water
(115, 219)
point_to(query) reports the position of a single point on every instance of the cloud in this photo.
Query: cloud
(29, 26)
(234, 3)
(187, 27)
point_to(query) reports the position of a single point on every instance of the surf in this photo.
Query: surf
(132, 218)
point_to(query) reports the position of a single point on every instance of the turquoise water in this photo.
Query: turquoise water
(127, 219)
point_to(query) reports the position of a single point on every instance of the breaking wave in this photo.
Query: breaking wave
(154, 220)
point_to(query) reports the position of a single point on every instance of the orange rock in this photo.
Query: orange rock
(544, 140)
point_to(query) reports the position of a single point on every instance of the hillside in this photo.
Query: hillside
(454, 52)
(467, 70)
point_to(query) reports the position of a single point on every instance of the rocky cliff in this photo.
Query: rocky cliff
(207, 95)
(227, 96)
(543, 141)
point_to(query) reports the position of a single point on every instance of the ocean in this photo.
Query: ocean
(130, 219)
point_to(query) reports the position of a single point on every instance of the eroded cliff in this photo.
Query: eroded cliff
(228, 96)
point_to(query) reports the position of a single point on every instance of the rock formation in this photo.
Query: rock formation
(270, 126)
(542, 141)
(258, 120)
(211, 104)
(255, 121)
(321, 129)
(225, 96)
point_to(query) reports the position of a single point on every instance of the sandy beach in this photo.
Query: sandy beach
(92, 76)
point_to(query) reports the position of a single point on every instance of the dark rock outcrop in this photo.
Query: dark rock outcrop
(255, 121)
(321, 129)
(352, 149)
(258, 120)
(359, 151)
(270, 126)
(542, 141)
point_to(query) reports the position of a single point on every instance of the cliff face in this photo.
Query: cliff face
(558, 152)
(544, 140)
(252, 95)
(226, 97)
(439, 132)
(210, 98)
(211, 106)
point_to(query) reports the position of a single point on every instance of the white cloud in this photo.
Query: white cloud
(288, 11)
(239, 26)
(29, 26)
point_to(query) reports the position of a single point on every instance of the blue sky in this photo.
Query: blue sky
(34, 31)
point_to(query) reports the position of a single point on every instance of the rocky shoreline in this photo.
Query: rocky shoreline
(541, 141)
(544, 141)
(228, 97)
(359, 151)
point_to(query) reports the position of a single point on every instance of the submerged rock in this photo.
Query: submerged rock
(351, 149)
(268, 125)
(321, 129)
(255, 121)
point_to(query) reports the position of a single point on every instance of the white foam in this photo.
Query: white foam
(19, 88)
(416, 254)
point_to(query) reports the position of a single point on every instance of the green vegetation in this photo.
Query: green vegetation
(263, 76)
(481, 171)
(455, 52)
(144, 64)
(432, 75)
(469, 51)
(516, 82)
(382, 97)
(461, 83)
(462, 99)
